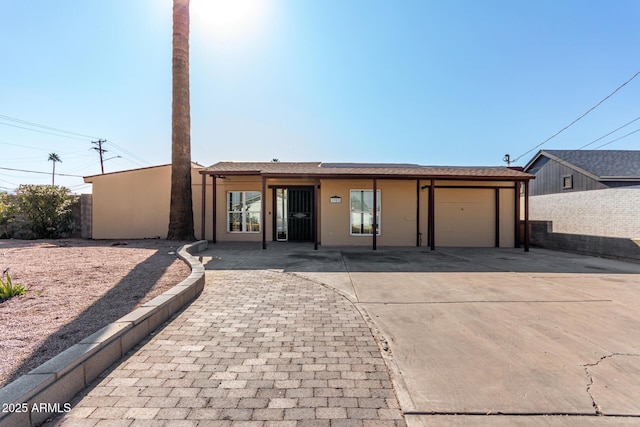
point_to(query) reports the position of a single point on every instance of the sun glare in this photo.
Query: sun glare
(228, 20)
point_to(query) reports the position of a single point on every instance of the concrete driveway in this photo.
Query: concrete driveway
(486, 336)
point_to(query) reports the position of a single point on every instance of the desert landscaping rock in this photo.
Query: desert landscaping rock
(74, 288)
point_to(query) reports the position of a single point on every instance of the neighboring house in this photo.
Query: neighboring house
(320, 203)
(134, 204)
(565, 171)
(587, 192)
(333, 204)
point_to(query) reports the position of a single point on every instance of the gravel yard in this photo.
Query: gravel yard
(74, 288)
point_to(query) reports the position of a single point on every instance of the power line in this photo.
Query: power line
(613, 131)
(33, 159)
(44, 173)
(506, 159)
(569, 152)
(23, 146)
(42, 131)
(130, 154)
(85, 167)
(9, 182)
(576, 120)
(617, 139)
(32, 124)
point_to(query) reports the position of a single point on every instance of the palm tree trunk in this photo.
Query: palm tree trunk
(53, 175)
(181, 209)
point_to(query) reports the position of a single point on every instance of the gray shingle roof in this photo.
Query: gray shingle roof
(318, 169)
(602, 163)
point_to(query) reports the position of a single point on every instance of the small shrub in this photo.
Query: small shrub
(6, 215)
(45, 211)
(9, 289)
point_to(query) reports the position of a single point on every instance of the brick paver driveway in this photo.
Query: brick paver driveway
(257, 348)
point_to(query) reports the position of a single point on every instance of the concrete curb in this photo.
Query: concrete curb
(46, 390)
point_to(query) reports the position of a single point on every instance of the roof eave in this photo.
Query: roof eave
(620, 178)
(219, 172)
(86, 178)
(533, 160)
(565, 163)
(400, 176)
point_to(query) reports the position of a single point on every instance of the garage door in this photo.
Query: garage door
(465, 217)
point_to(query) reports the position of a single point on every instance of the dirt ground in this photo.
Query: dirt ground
(74, 288)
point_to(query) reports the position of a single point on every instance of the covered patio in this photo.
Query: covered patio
(426, 201)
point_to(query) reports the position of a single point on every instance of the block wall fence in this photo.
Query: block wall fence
(612, 212)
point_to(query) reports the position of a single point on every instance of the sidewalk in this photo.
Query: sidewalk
(257, 348)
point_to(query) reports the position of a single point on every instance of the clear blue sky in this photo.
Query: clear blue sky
(432, 82)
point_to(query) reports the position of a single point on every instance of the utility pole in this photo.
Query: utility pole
(507, 159)
(100, 151)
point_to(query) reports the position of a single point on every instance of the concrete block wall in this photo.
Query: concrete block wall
(544, 236)
(85, 216)
(612, 212)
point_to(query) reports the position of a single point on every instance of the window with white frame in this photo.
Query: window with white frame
(362, 212)
(243, 211)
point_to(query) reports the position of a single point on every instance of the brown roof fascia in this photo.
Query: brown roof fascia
(403, 176)
(224, 173)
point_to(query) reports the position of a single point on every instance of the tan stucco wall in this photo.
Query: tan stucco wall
(196, 188)
(134, 204)
(397, 216)
(507, 217)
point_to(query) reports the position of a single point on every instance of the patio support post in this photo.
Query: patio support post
(375, 213)
(516, 234)
(213, 209)
(203, 235)
(274, 217)
(418, 213)
(263, 203)
(316, 200)
(526, 216)
(497, 209)
(431, 215)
